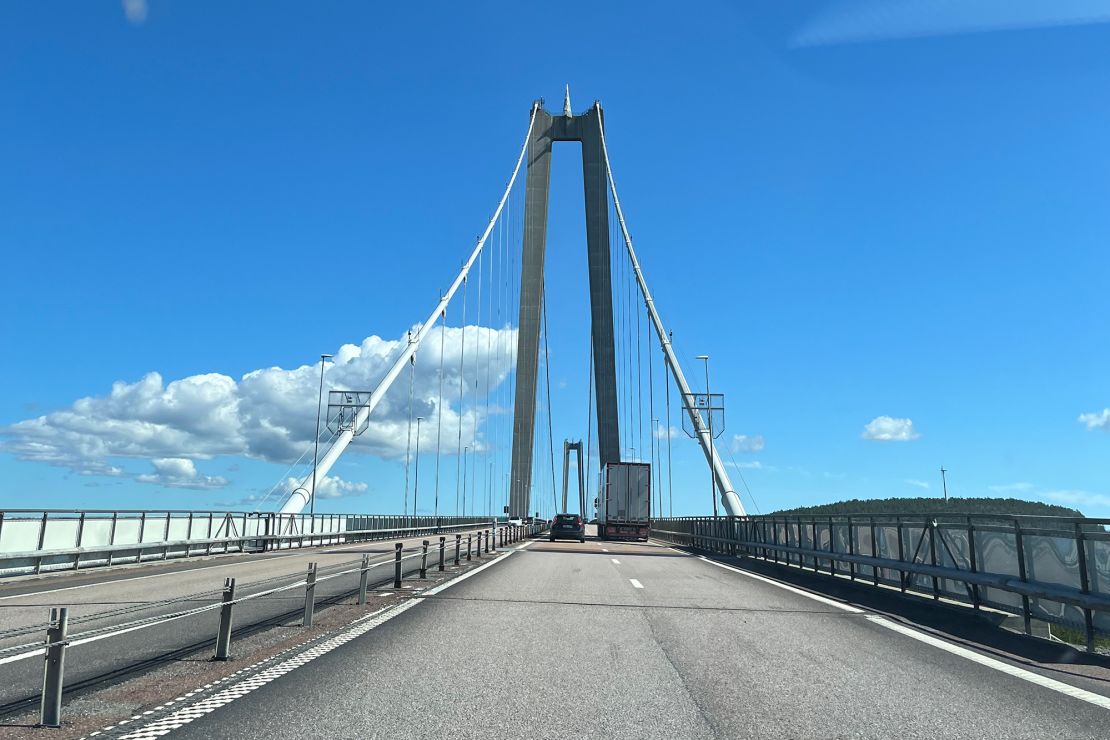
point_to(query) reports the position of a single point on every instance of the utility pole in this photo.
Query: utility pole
(944, 483)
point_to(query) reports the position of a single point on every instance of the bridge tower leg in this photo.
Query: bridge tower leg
(548, 129)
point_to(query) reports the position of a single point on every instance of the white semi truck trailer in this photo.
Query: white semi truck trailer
(624, 502)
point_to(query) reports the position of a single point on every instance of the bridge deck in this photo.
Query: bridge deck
(617, 640)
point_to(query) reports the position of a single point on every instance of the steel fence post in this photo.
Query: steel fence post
(874, 554)
(1084, 585)
(1021, 572)
(901, 556)
(309, 595)
(813, 546)
(851, 549)
(223, 635)
(973, 561)
(397, 565)
(363, 577)
(441, 544)
(468, 545)
(424, 560)
(933, 554)
(50, 708)
(458, 545)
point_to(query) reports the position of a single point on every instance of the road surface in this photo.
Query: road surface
(632, 640)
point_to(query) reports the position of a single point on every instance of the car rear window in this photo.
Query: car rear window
(566, 518)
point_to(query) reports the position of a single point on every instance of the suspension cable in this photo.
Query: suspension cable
(462, 385)
(547, 373)
(589, 418)
(651, 420)
(408, 443)
(439, 403)
(670, 466)
(473, 385)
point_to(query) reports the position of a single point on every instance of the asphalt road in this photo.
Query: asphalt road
(624, 640)
(110, 597)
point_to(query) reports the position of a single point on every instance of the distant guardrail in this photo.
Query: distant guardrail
(41, 540)
(1052, 569)
(352, 576)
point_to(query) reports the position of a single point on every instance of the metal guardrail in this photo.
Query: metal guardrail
(33, 541)
(1052, 569)
(59, 640)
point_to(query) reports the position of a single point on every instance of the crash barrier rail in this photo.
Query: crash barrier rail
(34, 541)
(1052, 569)
(58, 640)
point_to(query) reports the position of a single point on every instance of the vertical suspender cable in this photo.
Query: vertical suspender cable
(474, 383)
(547, 374)
(589, 423)
(439, 405)
(651, 422)
(670, 467)
(462, 384)
(408, 444)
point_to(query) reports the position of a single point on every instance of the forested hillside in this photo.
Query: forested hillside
(934, 506)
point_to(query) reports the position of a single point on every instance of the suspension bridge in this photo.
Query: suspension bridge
(465, 616)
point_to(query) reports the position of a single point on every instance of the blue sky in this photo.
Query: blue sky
(856, 214)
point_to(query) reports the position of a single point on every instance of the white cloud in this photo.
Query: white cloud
(1096, 420)
(853, 21)
(179, 472)
(332, 486)
(662, 432)
(889, 429)
(745, 443)
(268, 414)
(752, 465)
(135, 11)
(916, 483)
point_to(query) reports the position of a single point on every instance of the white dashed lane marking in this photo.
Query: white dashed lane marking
(617, 562)
(635, 583)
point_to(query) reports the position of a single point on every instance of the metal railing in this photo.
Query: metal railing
(1052, 569)
(33, 541)
(472, 545)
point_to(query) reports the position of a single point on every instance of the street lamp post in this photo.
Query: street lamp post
(709, 416)
(316, 449)
(416, 484)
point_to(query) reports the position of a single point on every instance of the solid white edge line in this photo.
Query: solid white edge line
(635, 583)
(785, 587)
(1035, 678)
